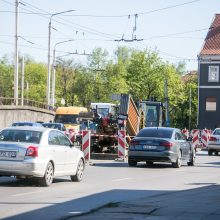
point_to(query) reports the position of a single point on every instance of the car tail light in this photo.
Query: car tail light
(213, 139)
(32, 151)
(166, 144)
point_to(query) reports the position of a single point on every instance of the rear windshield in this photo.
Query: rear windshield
(66, 119)
(155, 133)
(20, 136)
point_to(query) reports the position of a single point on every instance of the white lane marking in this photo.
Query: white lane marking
(116, 180)
(29, 193)
(75, 212)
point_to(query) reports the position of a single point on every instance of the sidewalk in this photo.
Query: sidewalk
(194, 204)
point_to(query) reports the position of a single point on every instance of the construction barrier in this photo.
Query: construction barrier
(186, 132)
(72, 135)
(205, 135)
(86, 144)
(195, 137)
(121, 143)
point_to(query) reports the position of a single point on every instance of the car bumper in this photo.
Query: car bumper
(166, 156)
(22, 168)
(215, 147)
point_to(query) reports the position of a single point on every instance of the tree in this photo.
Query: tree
(144, 76)
(35, 77)
(6, 78)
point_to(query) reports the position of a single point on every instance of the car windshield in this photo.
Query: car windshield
(20, 136)
(216, 132)
(103, 111)
(51, 125)
(22, 124)
(66, 119)
(161, 133)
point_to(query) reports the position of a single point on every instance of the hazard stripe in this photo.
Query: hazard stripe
(86, 144)
(121, 143)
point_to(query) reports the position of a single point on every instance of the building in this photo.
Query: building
(208, 81)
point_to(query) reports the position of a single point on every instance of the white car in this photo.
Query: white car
(39, 152)
(214, 142)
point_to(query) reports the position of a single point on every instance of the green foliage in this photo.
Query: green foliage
(35, 80)
(6, 78)
(139, 73)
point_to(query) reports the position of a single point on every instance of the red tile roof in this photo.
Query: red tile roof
(212, 41)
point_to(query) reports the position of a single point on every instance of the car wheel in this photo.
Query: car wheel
(210, 152)
(79, 172)
(193, 159)
(178, 162)
(216, 153)
(132, 163)
(48, 176)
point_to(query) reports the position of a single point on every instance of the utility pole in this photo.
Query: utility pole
(54, 71)
(16, 55)
(22, 82)
(48, 58)
(190, 107)
(166, 103)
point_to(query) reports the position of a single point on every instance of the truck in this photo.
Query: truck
(69, 116)
(108, 118)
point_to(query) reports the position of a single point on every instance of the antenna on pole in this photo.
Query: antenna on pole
(133, 36)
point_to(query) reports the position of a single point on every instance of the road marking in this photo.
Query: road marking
(116, 180)
(29, 193)
(75, 212)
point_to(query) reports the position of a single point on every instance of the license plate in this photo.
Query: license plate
(138, 147)
(149, 147)
(7, 154)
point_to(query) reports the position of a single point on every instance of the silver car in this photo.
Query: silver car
(39, 152)
(214, 142)
(161, 144)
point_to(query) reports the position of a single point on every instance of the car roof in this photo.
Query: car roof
(51, 123)
(29, 128)
(26, 123)
(161, 128)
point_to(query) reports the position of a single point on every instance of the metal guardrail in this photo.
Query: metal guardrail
(25, 102)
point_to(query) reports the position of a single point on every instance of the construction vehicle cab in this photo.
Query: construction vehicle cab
(151, 113)
(104, 109)
(69, 116)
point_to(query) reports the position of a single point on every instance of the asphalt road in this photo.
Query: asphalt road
(104, 182)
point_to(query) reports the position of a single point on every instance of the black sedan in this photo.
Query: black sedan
(161, 144)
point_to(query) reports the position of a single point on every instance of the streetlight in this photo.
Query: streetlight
(54, 70)
(48, 65)
(16, 55)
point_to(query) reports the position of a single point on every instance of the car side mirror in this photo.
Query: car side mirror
(72, 145)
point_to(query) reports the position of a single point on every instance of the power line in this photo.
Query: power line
(140, 13)
(168, 7)
(178, 33)
(102, 33)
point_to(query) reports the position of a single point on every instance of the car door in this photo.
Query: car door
(57, 152)
(71, 154)
(182, 143)
(185, 145)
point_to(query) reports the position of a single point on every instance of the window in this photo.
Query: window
(155, 132)
(213, 74)
(210, 104)
(179, 136)
(20, 136)
(63, 139)
(53, 138)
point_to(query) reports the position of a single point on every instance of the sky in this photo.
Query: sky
(175, 28)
